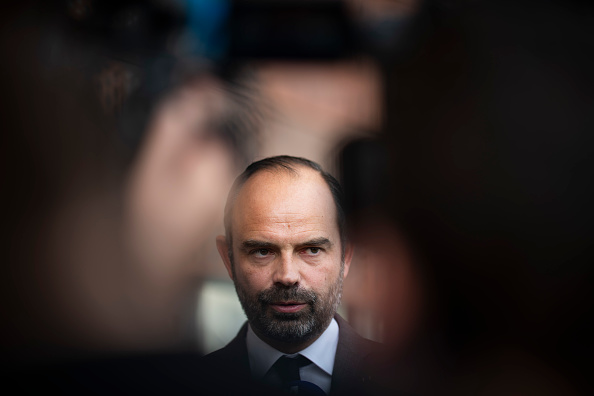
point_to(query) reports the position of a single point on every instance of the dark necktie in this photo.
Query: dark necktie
(287, 369)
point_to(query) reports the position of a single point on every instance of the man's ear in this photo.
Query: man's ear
(223, 249)
(348, 257)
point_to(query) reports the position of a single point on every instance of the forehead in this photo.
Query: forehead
(277, 199)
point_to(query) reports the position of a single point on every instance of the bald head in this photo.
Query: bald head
(284, 179)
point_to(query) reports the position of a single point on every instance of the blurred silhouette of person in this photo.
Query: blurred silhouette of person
(484, 192)
(287, 253)
(101, 258)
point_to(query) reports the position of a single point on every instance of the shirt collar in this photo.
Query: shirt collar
(321, 352)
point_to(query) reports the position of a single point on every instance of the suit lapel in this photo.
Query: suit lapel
(228, 370)
(233, 358)
(348, 375)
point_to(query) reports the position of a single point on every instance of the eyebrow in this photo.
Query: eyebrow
(253, 244)
(256, 244)
(317, 242)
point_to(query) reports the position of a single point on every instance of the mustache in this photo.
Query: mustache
(293, 293)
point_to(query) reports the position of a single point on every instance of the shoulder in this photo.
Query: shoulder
(227, 370)
(235, 351)
(351, 342)
(355, 364)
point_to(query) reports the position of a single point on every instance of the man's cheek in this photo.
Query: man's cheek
(258, 280)
(250, 290)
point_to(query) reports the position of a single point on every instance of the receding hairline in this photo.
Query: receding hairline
(295, 172)
(293, 166)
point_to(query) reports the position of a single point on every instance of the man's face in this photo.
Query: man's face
(286, 262)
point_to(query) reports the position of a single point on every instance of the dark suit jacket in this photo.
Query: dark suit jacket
(351, 374)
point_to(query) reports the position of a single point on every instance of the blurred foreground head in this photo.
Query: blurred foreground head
(486, 181)
(99, 254)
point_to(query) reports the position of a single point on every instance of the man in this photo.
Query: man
(286, 251)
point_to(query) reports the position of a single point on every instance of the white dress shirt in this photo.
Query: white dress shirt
(322, 353)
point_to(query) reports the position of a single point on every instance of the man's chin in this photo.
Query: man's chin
(273, 318)
(288, 335)
(286, 327)
(285, 316)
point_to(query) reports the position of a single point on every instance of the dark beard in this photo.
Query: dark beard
(308, 323)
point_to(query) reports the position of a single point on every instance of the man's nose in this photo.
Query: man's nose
(286, 271)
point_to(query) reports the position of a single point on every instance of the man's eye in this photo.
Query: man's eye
(313, 250)
(261, 252)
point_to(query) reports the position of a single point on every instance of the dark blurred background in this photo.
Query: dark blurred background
(461, 131)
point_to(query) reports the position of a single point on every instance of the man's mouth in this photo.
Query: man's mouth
(288, 306)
